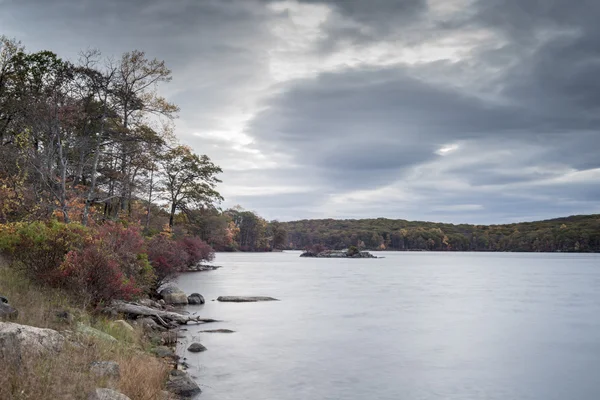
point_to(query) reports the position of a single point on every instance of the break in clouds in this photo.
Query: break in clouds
(483, 111)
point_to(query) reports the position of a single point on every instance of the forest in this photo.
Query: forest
(571, 234)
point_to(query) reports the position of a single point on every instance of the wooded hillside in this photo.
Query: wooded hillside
(575, 233)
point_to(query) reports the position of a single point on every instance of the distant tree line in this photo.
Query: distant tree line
(571, 234)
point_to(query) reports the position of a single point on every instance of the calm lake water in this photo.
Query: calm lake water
(409, 326)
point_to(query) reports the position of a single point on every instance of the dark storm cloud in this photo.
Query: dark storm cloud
(518, 113)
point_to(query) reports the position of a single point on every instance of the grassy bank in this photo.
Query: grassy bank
(66, 375)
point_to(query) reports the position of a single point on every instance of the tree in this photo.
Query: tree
(188, 180)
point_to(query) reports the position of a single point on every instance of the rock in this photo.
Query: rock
(123, 325)
(195, 298)
(218, 331)
(202, 268)
(149, 324)
(108, 370)
(89, 331)
(164, 352)
(337, 254)
(173, 295)
(107, 394)
(7, 312)
(244, 299)
(16, 339)
(196, 348)
(64, 316)
(181, 384)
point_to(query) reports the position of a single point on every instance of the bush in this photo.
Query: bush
(169, 257)
(112, 265)
(40, 248)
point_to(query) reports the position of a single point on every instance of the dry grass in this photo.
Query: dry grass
(66, 375)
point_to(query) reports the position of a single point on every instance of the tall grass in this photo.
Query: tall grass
(66, 375)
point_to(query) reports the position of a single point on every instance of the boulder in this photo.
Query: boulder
(244, 299)
(89, 331)
(64, 316)
(8, 312)
(107, 394)
(173, 295)
(124, 328)
(181, 384)
(164, 352)
(195, 298)
(149, 324)
(16, 340)
(107, 370)
(196, 348)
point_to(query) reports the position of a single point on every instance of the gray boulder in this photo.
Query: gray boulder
(93, 332)
(165, 352)
(174, 295)
(106, 370)
(195, 298)
(196, 348)
(16, 339)
(181, 384)
(107, 394)
(244, 299)
(8, 312)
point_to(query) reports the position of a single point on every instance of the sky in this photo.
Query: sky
(463, 111)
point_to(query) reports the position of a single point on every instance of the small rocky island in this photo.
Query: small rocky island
(352, 252)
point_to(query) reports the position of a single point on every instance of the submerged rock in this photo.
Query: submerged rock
(174, 295)
(196, 348)
(245, 299)
(181, 384)
(195, 298)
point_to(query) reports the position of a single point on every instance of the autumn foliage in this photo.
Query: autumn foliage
(102, 263)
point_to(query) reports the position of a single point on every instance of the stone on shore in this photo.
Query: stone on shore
(6, 310)
(16, 340)
(196, 348)
(195, 298)
(174, 295)
(107, 370)
(93, 332)
(245, 299)
(107, 394)
(165, 352)
(181, 384)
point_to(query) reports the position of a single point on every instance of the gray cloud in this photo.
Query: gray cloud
(515, 105)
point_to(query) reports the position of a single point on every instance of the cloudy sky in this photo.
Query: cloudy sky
(479, 111)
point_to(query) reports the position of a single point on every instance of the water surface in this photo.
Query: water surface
(409, 326)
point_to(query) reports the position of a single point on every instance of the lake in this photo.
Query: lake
(408, 326)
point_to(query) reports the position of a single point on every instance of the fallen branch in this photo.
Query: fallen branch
(165, 318)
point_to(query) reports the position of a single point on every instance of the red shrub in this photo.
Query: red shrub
(169, 257)
(197, 250)
(112, 265)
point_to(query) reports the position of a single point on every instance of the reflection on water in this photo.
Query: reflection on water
(409, 326)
